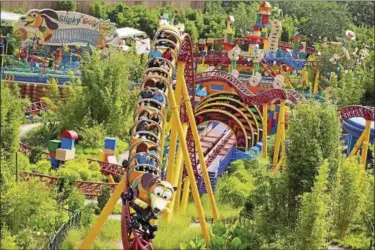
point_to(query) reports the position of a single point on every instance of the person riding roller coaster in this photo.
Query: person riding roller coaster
(158, 97)
(167, 54)
(146, 93)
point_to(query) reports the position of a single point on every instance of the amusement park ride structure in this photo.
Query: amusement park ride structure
(145, 194)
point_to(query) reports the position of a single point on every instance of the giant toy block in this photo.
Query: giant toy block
(60, 151)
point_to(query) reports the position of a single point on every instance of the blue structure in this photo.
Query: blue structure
(354, 127)
(110, 143)
(67, 143)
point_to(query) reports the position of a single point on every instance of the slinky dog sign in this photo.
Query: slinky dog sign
(51, 27)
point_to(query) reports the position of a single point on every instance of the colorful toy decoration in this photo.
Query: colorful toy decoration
(109, 153)
(60, 151)
(57, 27)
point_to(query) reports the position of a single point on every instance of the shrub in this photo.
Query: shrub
(92, 137)
(36, 154)
(104, 197)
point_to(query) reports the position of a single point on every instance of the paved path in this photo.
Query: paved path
(334, 247)
(26, 127)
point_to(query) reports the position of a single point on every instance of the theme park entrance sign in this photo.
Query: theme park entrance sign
(51, 27)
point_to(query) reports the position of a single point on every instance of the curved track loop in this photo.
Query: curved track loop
(136, 228)
(365, 112)
(246, 96)
(241, 116)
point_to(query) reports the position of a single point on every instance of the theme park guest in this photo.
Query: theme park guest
(164, 66)
(152, 150)
(158, 97)
(146, 93)
(154, 53)
(154, 63)
(142, 126)
(155, 117)
(141, 158)
(151, 162)
(167, 54)
(160, 85)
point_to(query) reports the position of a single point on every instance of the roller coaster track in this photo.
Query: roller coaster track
(36, 107)
(244, 40)
(109, 168)
(136, 228)
(216, 149)
(247, 97)
(365, 112)
(88, 188)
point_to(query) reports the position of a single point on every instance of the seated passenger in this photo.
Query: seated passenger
(141, 158)
(151, 162)
(158, 97)
(160, 85)
(165, 66)
(167, 54)
(154, 63)
(153, 150)
(155, 117)
(153, 129)
(146, 93)
(154, 53)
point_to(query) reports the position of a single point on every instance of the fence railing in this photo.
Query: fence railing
(57, 239)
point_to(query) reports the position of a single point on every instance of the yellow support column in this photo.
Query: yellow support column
(176, 174)
(264, 125)
(162, 139)
(177, 200)
(202, 159)
(283, 149)
(316, 82)
(185, 196)
(278, 136)
(110, 179)
(107, 210)
(171, 152)
(366, 141)
(173, 139)
(189, 168)
(358, 144)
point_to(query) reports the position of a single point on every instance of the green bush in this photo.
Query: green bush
(87, 214)
(93, 136)
(117, 209)
(36, 154)
(104, 197)
(233, 188)
(169, 236)
(73, 238)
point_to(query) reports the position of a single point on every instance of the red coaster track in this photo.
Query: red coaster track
(36, 107)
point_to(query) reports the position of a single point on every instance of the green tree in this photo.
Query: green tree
(36, 154)
(319, 18)
(347, 195)
(67, 5)
(75, 200)
(244, 17)
(12, 112)
(267, 209)
(30, 213)
(313, 223)
(313, 135)
(8, 241)
(99, 9)
(352, 87)
(104, 197)
(362, 12)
